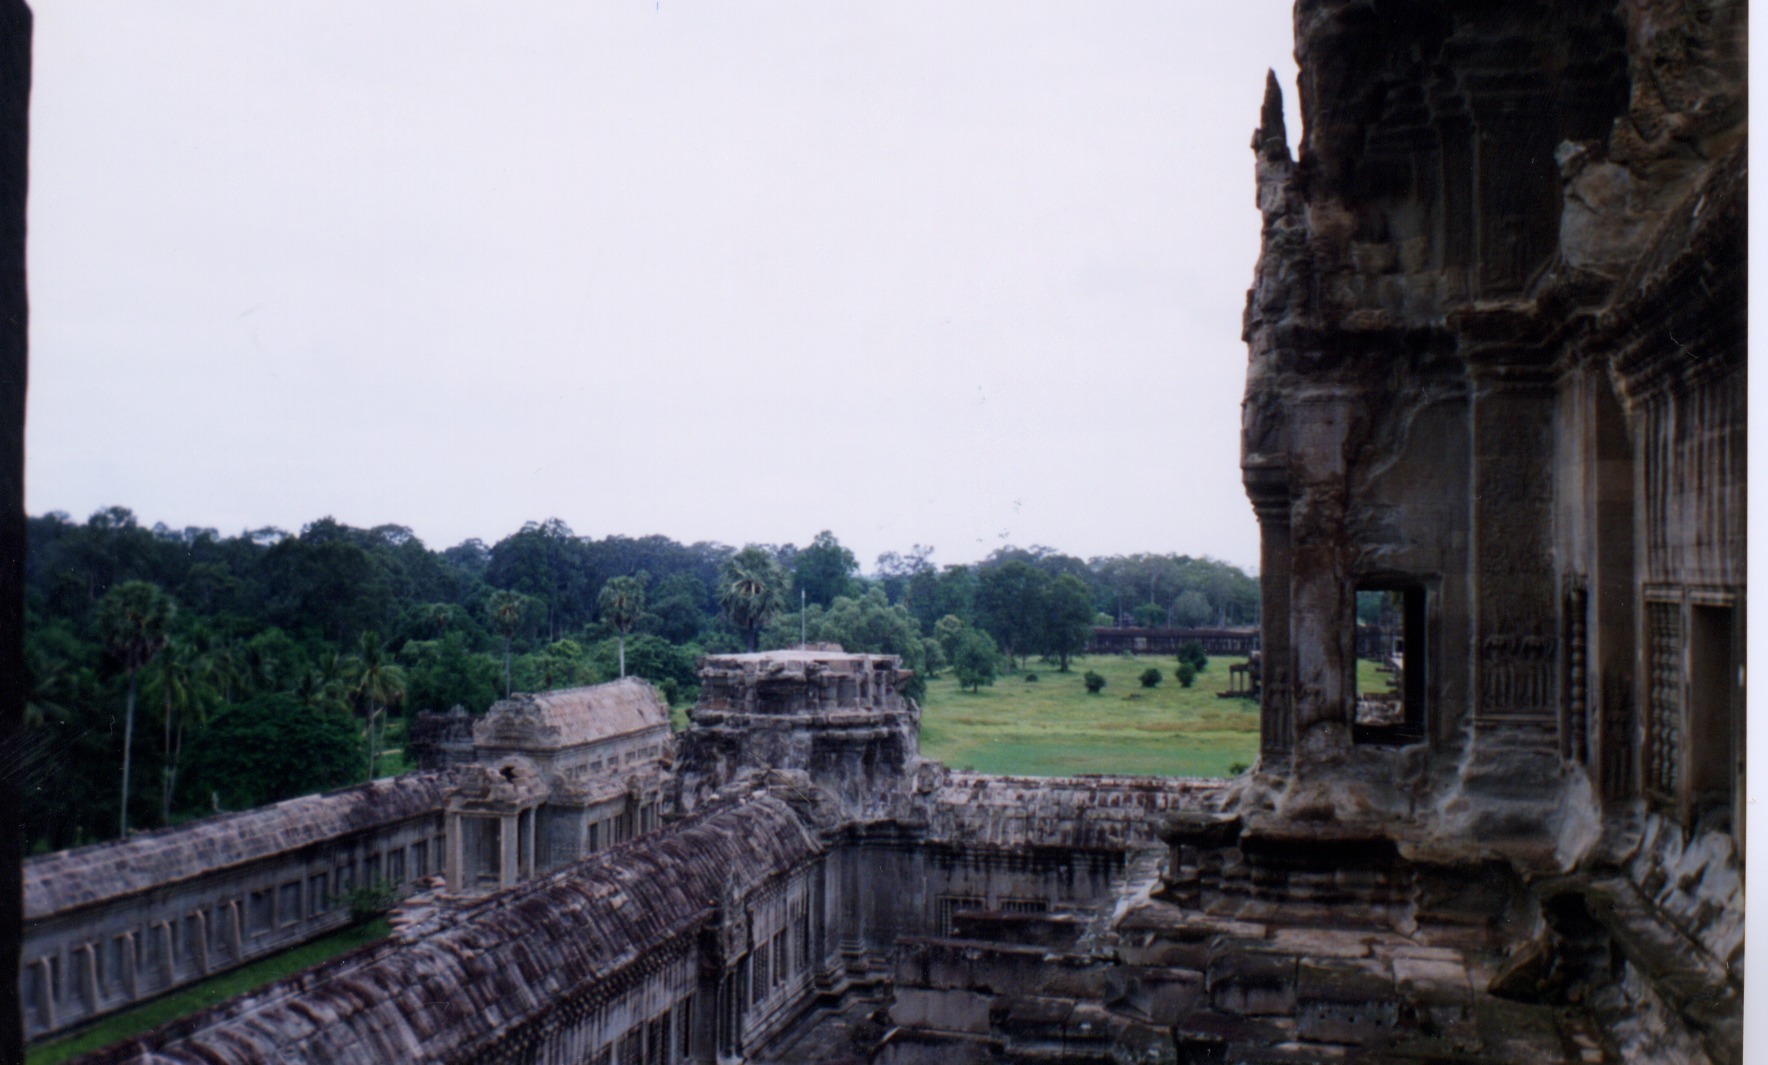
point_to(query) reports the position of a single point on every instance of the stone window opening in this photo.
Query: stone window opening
(260, 912)
(1715, 716)
(288, 903)
(952, 905)
(1388, 676)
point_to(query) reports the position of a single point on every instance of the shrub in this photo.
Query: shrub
(1186, 673)
(370, 901)
(1150, 677)
(1237, 768)
(1192, 651)
(1094, 682)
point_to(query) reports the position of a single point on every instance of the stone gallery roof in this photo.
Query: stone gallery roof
(70, 879)
(1106, 812)
(479, 974)
(571, 717)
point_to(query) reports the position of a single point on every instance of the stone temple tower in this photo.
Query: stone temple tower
(838, 719)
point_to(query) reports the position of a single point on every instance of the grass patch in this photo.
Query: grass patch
(216, 989)
(1371, 680)
(1053, 727)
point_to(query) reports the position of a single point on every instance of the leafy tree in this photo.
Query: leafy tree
(651, 657)
(1094, 682)
(325, 580)
(934, 656)
(444, 673)
(895, 572)
(677, 611)
(560, 664)
(547, 562)
(1186, 674)
(864, 624)
(824, 571)
(947, 632)
(1010, 605)
(1192, 610)
(271, 748)
(933, 594)
(1150, 677)
(134, 617)
(750, 591)
(621, 602)
(1068, 619)
(977, 660)
(1149, 616)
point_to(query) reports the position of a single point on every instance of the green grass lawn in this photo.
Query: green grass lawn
(201, 996)
(1052, 727)
(1371, 680)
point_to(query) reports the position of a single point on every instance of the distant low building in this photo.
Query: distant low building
(1134, 640)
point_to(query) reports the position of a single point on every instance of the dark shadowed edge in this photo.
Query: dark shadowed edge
(15, 95)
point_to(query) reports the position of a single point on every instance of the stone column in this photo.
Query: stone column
(235, 930)
(1269, 489)
(131, 978)
(46, 1000)
(1515, 645)
(508, 841)
(201, 953)
(88, 966)
(454, 856)
(533, 816)
(167, 969)
(1321, 595)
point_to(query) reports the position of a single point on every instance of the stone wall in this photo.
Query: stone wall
(117, 923)
(1497, 367)
(623, 952)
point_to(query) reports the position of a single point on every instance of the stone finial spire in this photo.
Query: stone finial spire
(1271, 139)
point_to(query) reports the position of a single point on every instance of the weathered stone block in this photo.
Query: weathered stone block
(1251, 983)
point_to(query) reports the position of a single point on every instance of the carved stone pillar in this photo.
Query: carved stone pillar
(1269, 489)
(201, 946)
(131, 978)
(1321, 596)
(1515, 644)
(508, 870)
(455, 856)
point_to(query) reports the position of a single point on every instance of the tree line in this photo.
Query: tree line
(171, 673)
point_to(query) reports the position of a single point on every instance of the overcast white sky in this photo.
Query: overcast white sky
(953, 273)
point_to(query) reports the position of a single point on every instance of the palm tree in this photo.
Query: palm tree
(183, 694)
(621, 602)
(440, 614)
(750, 590)
(133, 616)
(219, 660)
(507, 610)
(378, 684)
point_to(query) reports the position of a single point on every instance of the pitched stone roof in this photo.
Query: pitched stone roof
(478, 975)
(571, 716)
(70, 879)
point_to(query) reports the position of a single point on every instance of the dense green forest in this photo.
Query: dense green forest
(250, 668)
